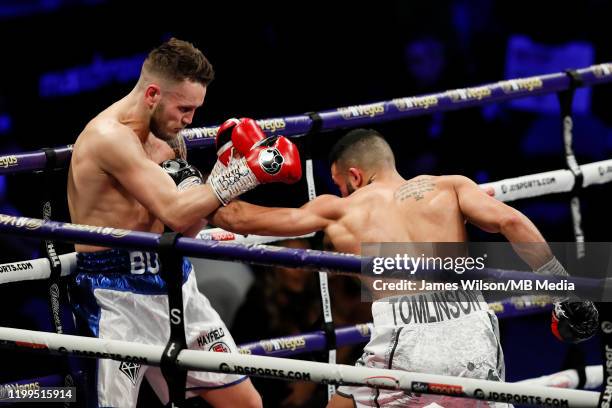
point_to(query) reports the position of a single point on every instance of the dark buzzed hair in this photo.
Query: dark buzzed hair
(179, 60)
(364, 148)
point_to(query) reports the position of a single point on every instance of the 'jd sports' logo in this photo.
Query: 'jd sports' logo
(479, 394)
(130, 370)
(603, 170)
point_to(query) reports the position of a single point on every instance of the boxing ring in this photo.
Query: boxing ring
(223, 245)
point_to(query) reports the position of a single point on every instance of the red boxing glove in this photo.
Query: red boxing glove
(275, 159)
(574, 322)
(234, 134)
(245, 135)
(240, 134)
(223, 141)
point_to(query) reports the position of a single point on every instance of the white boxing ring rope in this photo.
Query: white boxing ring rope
(550, 182)
(532, 185)
(569, 378)
(289, 369)
(218, 234)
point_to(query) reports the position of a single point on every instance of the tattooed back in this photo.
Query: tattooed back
(422, 209)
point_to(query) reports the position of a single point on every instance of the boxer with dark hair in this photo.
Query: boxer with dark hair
(379, 205)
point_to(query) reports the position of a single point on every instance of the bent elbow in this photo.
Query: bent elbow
(177, 225)
(510, 222)
(176, 220)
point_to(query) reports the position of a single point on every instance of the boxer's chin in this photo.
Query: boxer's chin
(158, 125)
(161, 132)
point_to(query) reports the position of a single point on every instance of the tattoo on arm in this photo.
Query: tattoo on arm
(415, 189)
(178, 145)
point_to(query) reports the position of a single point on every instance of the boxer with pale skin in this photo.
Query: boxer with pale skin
(115, 178)
(125, 168)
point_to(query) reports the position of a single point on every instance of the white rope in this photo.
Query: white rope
(218, 234)
(35, 269)
(312, 193)
(289, 369)
(597, 173)
(569, 378)
(328, 319)
(323, 282)
(550, 182)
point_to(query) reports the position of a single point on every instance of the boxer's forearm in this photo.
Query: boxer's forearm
(188, 208)
(526, 240)
(246, 218)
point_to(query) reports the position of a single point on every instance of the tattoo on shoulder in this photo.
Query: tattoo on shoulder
(415, 189)
(178, 145)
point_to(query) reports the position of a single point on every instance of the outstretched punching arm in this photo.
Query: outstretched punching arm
(245, 218)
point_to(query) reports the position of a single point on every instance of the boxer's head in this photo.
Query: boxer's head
(358, 157)
(173, 83)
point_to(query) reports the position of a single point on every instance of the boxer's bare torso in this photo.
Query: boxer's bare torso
(422, 209)
(392, 209)
(95, 197)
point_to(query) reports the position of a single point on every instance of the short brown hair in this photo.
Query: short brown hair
(178, 60)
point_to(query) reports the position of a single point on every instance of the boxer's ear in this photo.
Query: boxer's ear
(355, 177)
(152, 95)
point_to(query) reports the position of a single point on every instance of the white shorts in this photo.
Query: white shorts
(448, 333)
(131, 305)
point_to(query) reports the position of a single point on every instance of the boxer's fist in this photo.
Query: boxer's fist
(235, 134)
(183, 174)
(223, 141)
(271, 160)
(275, 159)
(574, 322)
(245, 135)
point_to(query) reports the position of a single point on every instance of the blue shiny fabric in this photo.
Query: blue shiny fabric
(114, 269)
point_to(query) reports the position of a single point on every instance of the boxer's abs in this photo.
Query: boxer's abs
(97, 199)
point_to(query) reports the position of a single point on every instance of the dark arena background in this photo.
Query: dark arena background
(63, 61)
